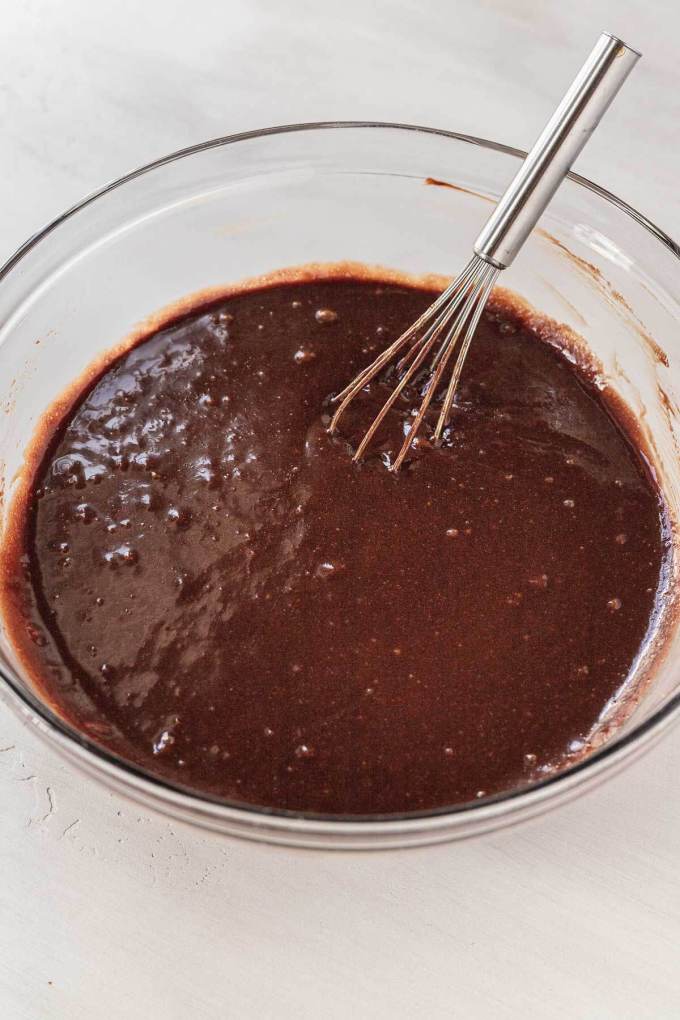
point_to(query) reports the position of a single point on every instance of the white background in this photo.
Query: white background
(107, 914)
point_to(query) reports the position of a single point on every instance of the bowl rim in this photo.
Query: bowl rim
(204, 806)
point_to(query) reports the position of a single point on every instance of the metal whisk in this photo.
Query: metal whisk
(448, 325)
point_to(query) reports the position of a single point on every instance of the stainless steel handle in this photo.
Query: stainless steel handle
(549, 161)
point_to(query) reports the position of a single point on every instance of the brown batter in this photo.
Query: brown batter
(213, 590)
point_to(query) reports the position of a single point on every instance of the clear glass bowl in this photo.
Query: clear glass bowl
(241, 206)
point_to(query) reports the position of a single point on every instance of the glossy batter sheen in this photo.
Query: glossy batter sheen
(214, 590)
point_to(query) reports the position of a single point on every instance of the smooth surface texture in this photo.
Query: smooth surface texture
(220, 595)
(106, 913)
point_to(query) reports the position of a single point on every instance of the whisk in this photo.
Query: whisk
(448, 326)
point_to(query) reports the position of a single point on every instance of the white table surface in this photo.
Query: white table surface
(108, 914)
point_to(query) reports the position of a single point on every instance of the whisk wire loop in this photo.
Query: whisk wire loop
(454, 313)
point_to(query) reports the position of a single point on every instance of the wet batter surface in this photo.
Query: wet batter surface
(207, 585)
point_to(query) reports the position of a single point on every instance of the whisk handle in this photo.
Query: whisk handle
(549, 161)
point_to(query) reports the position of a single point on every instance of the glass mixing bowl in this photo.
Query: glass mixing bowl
(240, 206)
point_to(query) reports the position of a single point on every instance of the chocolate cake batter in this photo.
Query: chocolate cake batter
(205, 583)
